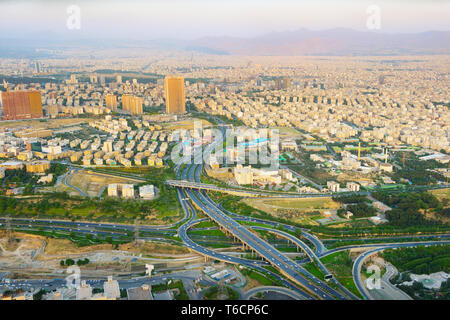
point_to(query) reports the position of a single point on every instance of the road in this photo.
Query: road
(387, 290)
(264, 249)
(313, 257)
(250, 293)
(385, 246)
(319, 246)
(281, 262)
(357, 265)
(258, 265)
(54, 284)
(66, 182)
(193, 189)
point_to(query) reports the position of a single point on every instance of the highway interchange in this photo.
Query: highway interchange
(300, 283)
(191, 173)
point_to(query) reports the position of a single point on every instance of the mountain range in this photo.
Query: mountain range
(333, 42)
(328, 42)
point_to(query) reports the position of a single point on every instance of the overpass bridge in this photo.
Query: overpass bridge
(211, 187)
(240, 192)
(285, 265)
(243, 192)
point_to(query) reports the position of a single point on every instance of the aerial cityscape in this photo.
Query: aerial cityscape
(204, 165)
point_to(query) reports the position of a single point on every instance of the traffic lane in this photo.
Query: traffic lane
(263, 248)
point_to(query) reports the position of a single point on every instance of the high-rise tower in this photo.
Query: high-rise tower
(19, 105)
(174, 94)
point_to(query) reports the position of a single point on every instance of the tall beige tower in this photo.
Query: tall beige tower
(111, 102)
(132, 104)
(174, 94)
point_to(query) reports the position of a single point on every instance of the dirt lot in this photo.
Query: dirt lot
(150, 248)
(92, 184)
(50, 124)
(301, 204)
(59, 246)
(305, 210)
(185, 124)
(289, 133)
(26, 253)
(354, 176)
(61, 188)
(251, 283)
(442, 194)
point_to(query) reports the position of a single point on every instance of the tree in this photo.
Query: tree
(417, 285)
(70, 262)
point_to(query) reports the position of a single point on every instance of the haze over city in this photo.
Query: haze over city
(246, 151)
(192, 19)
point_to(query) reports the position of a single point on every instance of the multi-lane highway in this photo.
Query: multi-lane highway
(277, 259)
(287, 292)
(194, 190)
(288, 267)
(263, 248)
(313, 257)
(254, 264)
(192, 195)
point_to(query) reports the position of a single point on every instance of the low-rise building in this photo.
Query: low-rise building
(386, 167)
(243, 175)
(353, 186)
(111, 289)
(38, 166)
(84, 292)
(128, 191)
(147, 192)
(113, 190)
(25, 156)
(289, 145)
(142, 293)
(46, 179)
(348, 215)
(164, 295)
(333, 186)
(12, 165)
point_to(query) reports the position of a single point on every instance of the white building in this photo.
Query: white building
(333, 186)
(128, 191)
(111, 289)
(147, 192)
(121, 190)
(353, 186)
(113, 190)
(84, 292)
(243, 175)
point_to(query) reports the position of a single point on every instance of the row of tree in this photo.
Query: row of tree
(420, 260)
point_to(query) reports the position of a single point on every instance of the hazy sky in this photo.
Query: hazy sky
(188, 19)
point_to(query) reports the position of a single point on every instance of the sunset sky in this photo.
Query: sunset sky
(189, 19)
